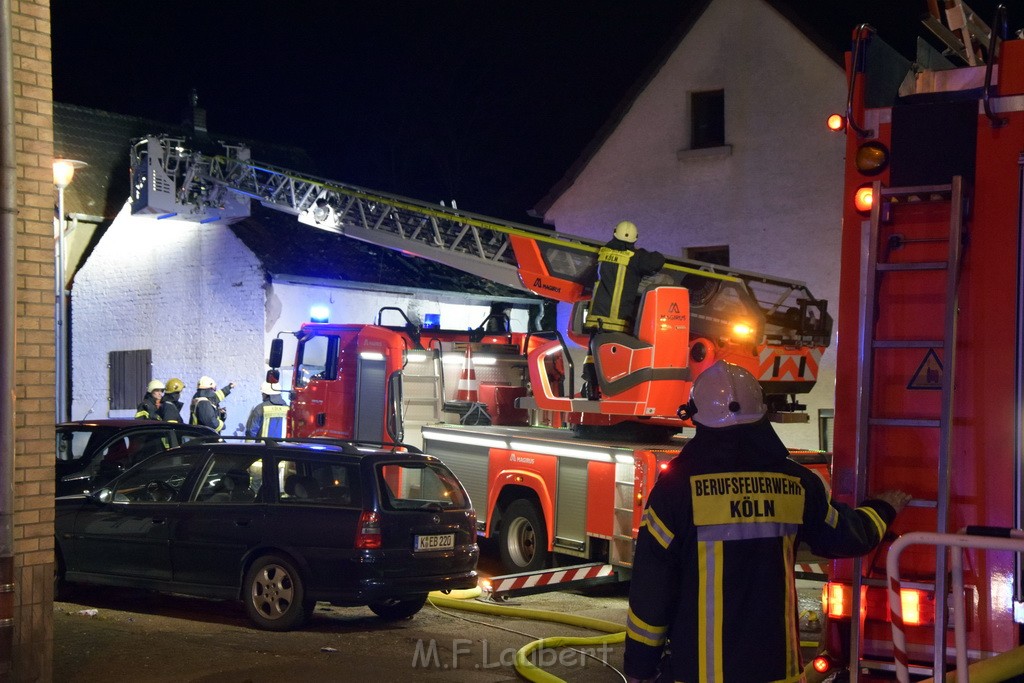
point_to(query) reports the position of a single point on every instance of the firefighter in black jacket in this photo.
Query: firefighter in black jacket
(149, 408)
(713, 570)
(620, 268)
(170, 406)
(206, 408)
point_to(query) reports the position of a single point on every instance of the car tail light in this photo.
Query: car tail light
(368, 536)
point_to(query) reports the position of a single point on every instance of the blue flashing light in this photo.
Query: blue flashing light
(319, 314)
(432, 321)
(166, 215)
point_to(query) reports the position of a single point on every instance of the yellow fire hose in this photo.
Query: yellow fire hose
(616, 633)
(463, 600)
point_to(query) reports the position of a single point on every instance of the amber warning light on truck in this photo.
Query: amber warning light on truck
(836, 122)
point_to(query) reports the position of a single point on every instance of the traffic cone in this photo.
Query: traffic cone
(469, 389)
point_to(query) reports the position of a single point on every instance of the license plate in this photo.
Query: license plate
(435, 542)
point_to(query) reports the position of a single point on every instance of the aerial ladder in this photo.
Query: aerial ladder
(773, 326)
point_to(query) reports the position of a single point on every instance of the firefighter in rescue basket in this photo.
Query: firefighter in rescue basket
(621, 265)
(713, 583)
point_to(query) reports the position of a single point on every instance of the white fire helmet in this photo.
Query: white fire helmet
(268, 389)
(206, 383)
(725, 395)
(154, 385)
(626, 231)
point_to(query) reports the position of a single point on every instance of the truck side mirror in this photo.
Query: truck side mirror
(273, 376)
(276, 353)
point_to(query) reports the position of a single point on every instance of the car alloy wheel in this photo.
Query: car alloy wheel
(275, 595)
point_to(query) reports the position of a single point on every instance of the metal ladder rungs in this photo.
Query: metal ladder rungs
(908, 344)
(902, 422)
(917, 190)
(914, 265)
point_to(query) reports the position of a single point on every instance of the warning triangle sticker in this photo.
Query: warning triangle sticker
(929, 373)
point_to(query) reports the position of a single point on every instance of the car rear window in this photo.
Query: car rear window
(419, 486)
(312, 482)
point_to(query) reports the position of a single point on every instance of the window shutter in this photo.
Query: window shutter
(129, 374)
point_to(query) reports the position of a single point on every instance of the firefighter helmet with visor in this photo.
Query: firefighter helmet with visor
(725, 395)
(174, 385)
(154, 385)
(626, 232)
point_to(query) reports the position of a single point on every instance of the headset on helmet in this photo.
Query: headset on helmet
(206, 383)
(724, 395)
(626, 231)
(154, 385)
(174, 385)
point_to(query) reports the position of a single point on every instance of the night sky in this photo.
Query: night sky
(488, 102)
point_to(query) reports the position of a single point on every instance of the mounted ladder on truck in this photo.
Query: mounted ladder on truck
(730, 312)
(929, 395)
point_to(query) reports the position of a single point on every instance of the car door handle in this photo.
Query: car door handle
(159, 520)
(242, 522)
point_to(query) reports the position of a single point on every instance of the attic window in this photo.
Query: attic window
(707, 119)
(707, 128)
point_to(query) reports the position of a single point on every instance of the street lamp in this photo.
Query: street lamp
(63, 172)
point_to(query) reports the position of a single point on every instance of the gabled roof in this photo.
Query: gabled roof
(282, 244)
(823, 23)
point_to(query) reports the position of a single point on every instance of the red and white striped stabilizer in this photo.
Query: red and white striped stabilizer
(468, 389)
(810, 572)
(549, 577)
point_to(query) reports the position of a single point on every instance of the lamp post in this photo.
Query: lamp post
(63, 172)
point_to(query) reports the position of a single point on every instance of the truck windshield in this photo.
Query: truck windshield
(316, 358)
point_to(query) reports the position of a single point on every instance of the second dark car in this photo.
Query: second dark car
(278, 525)
(92, 452)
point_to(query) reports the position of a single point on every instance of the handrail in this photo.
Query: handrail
(979, 538)
(858, 47)
(996, 36)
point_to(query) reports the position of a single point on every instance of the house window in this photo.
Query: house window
(717, 255)
(707, 117)
(129, 375)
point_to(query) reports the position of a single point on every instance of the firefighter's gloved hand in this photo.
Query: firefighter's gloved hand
(222, 413)
(897, 499)
(230, 386)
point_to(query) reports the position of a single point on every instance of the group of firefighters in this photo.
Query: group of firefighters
(163, 402)
(713, 594)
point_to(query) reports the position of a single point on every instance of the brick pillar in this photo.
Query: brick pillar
(32, 652)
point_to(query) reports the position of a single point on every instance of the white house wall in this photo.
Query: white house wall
(774, 198)
(200, 300)
(191, 293)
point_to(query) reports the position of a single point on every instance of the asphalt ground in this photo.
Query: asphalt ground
(108, 634)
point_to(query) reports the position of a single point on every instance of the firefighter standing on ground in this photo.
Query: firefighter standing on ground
(149, 408)
(269, 417)
(620, 268)
(206, 409)
(170, 406)
(713, 570)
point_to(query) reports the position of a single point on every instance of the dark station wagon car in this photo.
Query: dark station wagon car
(92, 452)
(277, 524)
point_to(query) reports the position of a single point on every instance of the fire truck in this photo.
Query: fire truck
(548, 471)
(930, 367)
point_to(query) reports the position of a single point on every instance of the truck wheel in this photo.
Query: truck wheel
(524, 538)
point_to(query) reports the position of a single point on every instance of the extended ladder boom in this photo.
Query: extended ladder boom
(169, 180)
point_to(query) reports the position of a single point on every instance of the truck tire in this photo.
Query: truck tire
(523, 541)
